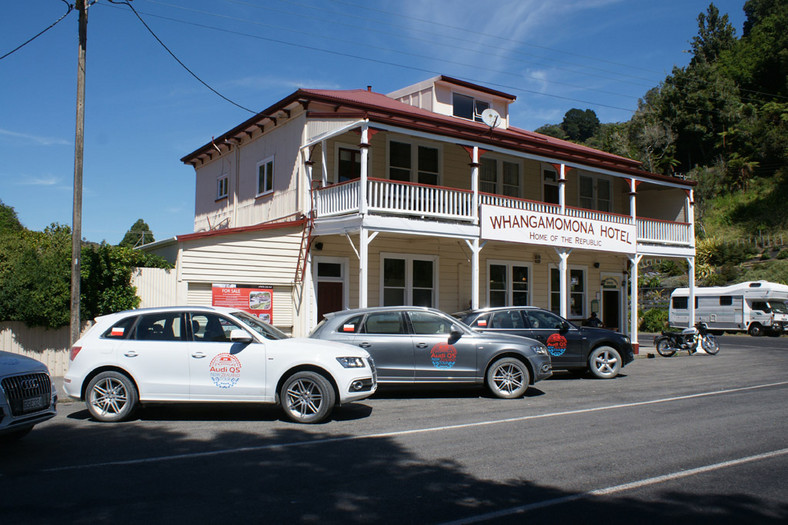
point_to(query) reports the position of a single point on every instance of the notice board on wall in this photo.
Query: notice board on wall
(257, 300)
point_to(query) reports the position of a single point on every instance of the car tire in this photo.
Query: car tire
(756, 330)
(111, 396)
(307, 397)
(604, 362)
(508, 378)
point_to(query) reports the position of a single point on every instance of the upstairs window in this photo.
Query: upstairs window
(595, 193)
(550, 186)
(349, 164)
(265, 176)
(222, 187)
(468, 107)
(414, 163)
(499, 177)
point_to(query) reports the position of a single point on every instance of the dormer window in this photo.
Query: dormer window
(222, 187)
(468, 107)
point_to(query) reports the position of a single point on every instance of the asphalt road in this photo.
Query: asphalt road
(682, 440)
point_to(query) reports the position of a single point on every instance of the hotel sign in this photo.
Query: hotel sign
(561, 231)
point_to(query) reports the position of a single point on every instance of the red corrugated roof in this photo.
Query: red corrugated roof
(372, 100)
(383, 109)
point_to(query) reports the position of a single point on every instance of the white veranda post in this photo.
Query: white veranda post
(633, 299)
(563, 266)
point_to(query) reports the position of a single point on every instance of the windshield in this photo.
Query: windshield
(264, 329)
(780, 308)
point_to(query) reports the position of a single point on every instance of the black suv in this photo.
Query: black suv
(571, 347)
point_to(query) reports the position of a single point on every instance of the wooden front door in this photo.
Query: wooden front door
(610, 313)
(329, 298)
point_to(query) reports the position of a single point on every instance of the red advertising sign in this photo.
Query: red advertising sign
(255, 300)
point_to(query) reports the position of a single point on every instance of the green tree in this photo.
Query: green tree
(580, 125)
(137, 235)
(715, 36)
(35, 277)
(9, 222)
(106, 277)
(552, 130)
(759, 61)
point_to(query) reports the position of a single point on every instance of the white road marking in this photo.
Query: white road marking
(398, 433)
(617, 488)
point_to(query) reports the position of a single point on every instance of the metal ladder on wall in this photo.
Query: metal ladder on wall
(303, 251)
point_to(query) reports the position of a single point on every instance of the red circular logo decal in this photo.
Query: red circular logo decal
(225, 370)
(556, 345)
(443, 355)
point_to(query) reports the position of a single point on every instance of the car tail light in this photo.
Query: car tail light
(74, 351)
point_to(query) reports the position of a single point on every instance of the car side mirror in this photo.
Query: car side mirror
(240, 336)
(564, 327)
(455, 334)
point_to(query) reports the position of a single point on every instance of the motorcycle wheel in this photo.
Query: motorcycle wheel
(710, 345)
(664, 348)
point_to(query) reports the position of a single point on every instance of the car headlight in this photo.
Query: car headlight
(351, 362)
(540, 349)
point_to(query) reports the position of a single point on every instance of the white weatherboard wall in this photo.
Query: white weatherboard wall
(266, 257)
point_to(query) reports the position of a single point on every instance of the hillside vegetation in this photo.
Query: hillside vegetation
(721, 121)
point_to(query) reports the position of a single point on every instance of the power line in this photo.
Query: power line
(388, 49)
(192, 73)
(486, 35)
(70, 8)
(377, 61)
(462, 39)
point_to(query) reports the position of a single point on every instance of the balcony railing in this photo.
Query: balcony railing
(664, 232)
(417, 200)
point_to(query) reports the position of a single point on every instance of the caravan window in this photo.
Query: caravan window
(680, 303)
(762, 306)
(780, 308)
(726, 300)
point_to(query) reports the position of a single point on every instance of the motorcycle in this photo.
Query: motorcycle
(689, 339)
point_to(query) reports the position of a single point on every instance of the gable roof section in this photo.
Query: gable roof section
(376, 107)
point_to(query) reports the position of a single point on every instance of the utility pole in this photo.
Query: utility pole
(79, 144)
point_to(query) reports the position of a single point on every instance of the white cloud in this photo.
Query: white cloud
(269, 82)
(44, 141)
(39, 181)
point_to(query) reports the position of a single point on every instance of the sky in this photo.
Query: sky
(144, 111)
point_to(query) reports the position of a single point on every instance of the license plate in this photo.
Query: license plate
(33, 403)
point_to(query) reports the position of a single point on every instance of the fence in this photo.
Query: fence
(763, 240)
(50, 346)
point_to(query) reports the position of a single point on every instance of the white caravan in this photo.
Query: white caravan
(758, 307)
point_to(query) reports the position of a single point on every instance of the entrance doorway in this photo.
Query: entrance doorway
(329, 298)
(331, 286)
(611, 313)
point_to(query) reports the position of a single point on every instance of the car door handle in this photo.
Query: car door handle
(198, 355)
(131, 353)
(421, 345)
(365, 344)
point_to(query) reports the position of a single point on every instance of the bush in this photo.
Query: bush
(772, 271)
(783, 254)
(672, 268)
(653, 320)
(35, 277)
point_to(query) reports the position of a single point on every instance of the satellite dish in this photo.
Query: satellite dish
(491, 117)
